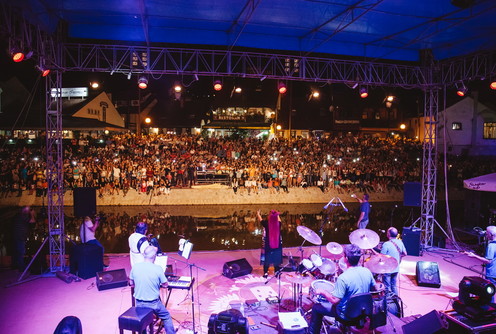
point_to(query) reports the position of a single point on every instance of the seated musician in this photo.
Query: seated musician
(138, 241)
(147, 278)
(354, 280)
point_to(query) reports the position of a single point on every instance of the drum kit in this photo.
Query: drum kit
(322, 273)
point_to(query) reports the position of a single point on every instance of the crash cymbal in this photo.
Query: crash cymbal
(381, 264)
(364, 238)
(316, 260)
(328, 267)
(309, 235)
(334, 248)
(299, 279)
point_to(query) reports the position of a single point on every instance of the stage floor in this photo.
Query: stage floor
(36, 306)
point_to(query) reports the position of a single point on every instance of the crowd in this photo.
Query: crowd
(154, 164)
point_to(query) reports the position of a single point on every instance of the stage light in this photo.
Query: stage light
(217, 85)
(94, 84)
(17, 55)
(142, 83)
(461, 89)
(282, 88)
(44, 71)
(364, 92)
(474, 298)
(402, 126)
(492, 85)
(148, 120)
(178, 88)
(238, 90)
(390, 98)
(315, 94)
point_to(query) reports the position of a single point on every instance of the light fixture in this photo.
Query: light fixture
(238, 90)
(263, 78)
(402, 126)
(148, 120)
(315, 94)
(178, 88)
(196, 77)
(217, 85)
(492, 85)
(142, 83)
(461, 89)
(390, 98)
(17, 54)
(364, 92)
(44, 71)
(94, 84)
(474, 298)
(282, 88)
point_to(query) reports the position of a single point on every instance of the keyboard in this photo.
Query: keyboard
(180, 282)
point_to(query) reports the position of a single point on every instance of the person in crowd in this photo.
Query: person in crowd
(272, 241)
(356, 279)
(87, 231)
(147, 278)
(363, 219)
(69, 325)
(21, 230)
(395, 248)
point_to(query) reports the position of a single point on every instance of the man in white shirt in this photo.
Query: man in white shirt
(87, 231)
(137, 243)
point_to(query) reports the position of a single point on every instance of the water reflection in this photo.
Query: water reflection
(219, 227)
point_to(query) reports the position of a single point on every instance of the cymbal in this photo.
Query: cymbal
(334, 248)
(381, 264)
(364, 238)
(316, 260)
(328, 267)
(298, 279)
(309, 235)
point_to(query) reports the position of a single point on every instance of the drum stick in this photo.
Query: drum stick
(270, 325)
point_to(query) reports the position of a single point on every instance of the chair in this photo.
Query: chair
(358, 308)
(136, 319)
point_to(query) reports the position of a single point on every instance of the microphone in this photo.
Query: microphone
(382, 231)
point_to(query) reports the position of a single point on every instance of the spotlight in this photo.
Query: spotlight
(315, 94)
(462, 91)
(474, 298)
(94, 84)
(363, 92)
(238, 90)
(282, 88)
(178, 88)
(17, 55)
(492, 85)
(142, 83)
(44, 71)
(217, 85)
(390, 98)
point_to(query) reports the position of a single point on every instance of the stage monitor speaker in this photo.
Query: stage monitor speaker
(236, 268)
(411, 239)
(430, 323)
(84, 201)
(412, 194)
(111, 279)
(86, 260)
(427, 273)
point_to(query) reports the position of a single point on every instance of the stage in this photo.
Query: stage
(37, 305)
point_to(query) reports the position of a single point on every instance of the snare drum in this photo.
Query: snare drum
(320, 284)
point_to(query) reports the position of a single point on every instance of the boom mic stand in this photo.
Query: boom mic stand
(191, 265)
(329, 207)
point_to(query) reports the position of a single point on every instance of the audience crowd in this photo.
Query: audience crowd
(154, 164)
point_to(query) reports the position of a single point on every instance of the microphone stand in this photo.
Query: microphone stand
(278, 274)
(191, 265)
(329, 207)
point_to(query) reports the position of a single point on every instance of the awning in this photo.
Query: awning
(482, 183)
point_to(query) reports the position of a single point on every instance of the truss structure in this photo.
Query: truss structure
(126, 59)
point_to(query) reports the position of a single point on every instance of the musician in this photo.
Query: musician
(272, 241)
(138, 241)
(363, 219)
(354, 280)
(491, 254)
(395, 248)
(147, 278)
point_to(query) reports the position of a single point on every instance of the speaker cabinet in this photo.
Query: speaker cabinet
(412, 194)
(430, 323)
(411, 239)
(86, 260)
(84, 201)
(111, 279)
(428, 274)
(236, 268)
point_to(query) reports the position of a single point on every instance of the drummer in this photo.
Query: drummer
(354, 280)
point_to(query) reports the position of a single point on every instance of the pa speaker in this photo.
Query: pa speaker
(428, 274)
(411, 239)
(412, 194)
(236, 268)
(86, 260)
(84, 201)
(111, 279)
(430, 323)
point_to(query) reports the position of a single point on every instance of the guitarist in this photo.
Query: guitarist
(395, 248)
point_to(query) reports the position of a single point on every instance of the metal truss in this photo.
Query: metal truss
(429, 167)
(54, 170)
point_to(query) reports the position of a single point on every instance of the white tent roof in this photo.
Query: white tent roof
(481, 183)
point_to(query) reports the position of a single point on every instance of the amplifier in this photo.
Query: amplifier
(111, 279)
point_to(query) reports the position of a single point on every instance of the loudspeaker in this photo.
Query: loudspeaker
(430, 323)
(236, 268)
(86, 260)
(411, 239)
(84, 201)
(428, 274)
(111, 279)
(412, 194)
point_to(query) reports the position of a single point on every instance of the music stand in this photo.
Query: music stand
(185, 248)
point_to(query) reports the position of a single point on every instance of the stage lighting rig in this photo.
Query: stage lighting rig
(474, 298)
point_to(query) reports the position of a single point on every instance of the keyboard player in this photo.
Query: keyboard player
(147, 278)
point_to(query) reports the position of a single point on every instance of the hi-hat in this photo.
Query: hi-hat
(309, 235)
(334, 248)
(364, 238)
(381, 264)
(299, 279)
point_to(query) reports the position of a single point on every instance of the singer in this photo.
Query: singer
(272, 241)
(363, 219)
